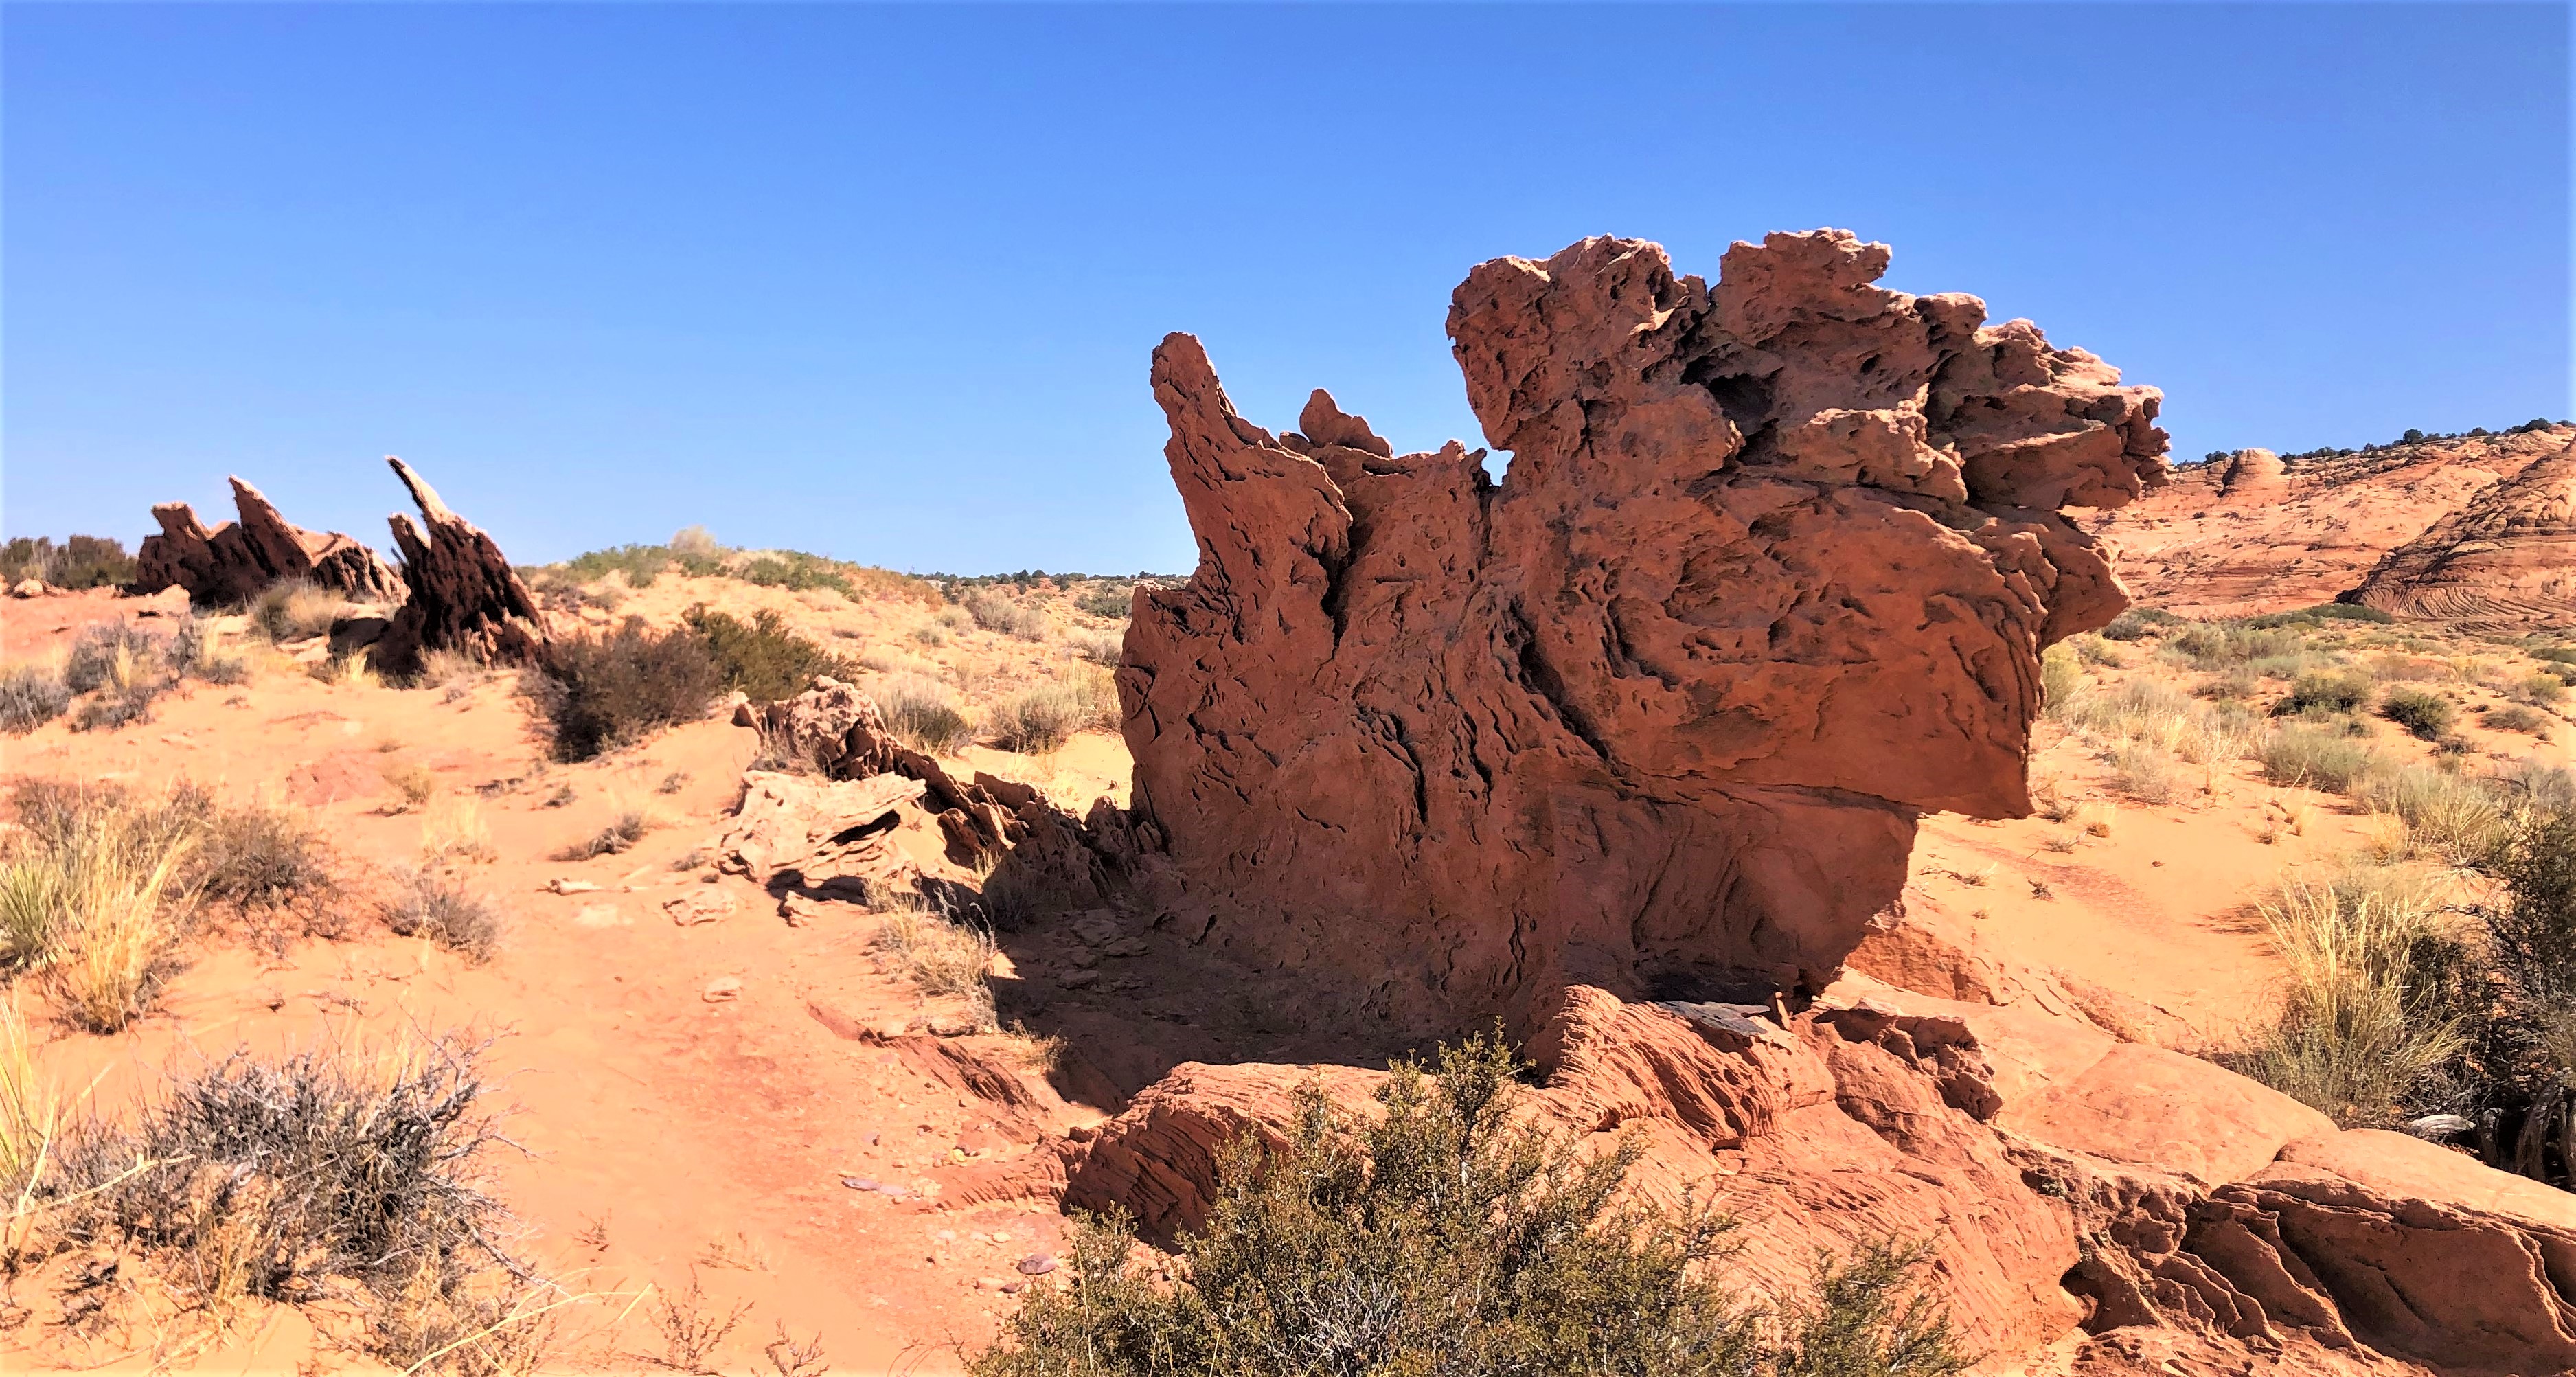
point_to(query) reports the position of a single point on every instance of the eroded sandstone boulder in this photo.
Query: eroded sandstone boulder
(463, 596)
(235, 560)
(2504, 562)
(1769, 576)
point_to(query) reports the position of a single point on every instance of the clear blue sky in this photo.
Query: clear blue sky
(882, 283)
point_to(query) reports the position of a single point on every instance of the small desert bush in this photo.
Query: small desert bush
(30, 697)
(348, 1173)
(2421, 711)
(762, 657)
(259, 855)
(423, 905)
(1112, 600)
(93, 900)
(2371, 1019)
(994, 612)
(2319, 758)
(81, 561)
(1041, 719)
(1099, 647)
(111, 655)
(1445, 1234)
(922, 712)
(2220, 646)
(2331, 691)
(2139, 623)
(2145, 771)
(594, 693)
(2513, 717)
(2151, 713)
(2540, 690)
(293, 610)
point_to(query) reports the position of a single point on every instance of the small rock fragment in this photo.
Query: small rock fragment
(1036, 1265)
(722, 988)
(705, 906)
(562, 886)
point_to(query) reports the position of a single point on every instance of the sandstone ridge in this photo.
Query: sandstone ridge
(235, 560)
(2250, 532)
(1769, 577)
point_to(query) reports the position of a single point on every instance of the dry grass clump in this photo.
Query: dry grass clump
(293, 610)
(2507, 717)
(596, 693)
(2320, 758)
(347, 1175)
(2369, 1023)
(1099, 647)
(616, 839)
(259, 856)
(1044, 718)
(2145, 771)
(1444, 1235)
(994, 612)
(2540, 690)
(922, 712)
(941, 955)
(94, 899)
(2460, 819)
(454, 830)
(424, 905)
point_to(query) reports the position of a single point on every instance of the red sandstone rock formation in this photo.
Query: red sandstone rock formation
(2504, 562)
(2242, 537)
(464, 595)
(2094, 1206)
(1769, 577)
(236, 560)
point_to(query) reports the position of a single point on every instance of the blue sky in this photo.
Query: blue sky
(882, 283)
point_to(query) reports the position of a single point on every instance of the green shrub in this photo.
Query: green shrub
(2322, 612)
(762, 657)
(2139, 623)
(1446, 1237)
(2336, 691)
(1112, 600)
(81, 561)
(2420, 711)
(2318, 758)
(594, 693)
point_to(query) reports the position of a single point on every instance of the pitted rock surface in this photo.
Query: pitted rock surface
(1769, 577)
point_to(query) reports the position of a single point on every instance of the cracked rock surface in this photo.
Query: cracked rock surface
(1769, 577)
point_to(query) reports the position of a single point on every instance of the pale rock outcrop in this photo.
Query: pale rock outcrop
(2505, 562)
(464, 596)
(1769, 577)
(235, 560)
(2254, 475)
(827, 838)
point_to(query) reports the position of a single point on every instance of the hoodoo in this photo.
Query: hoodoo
(1769, 576)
